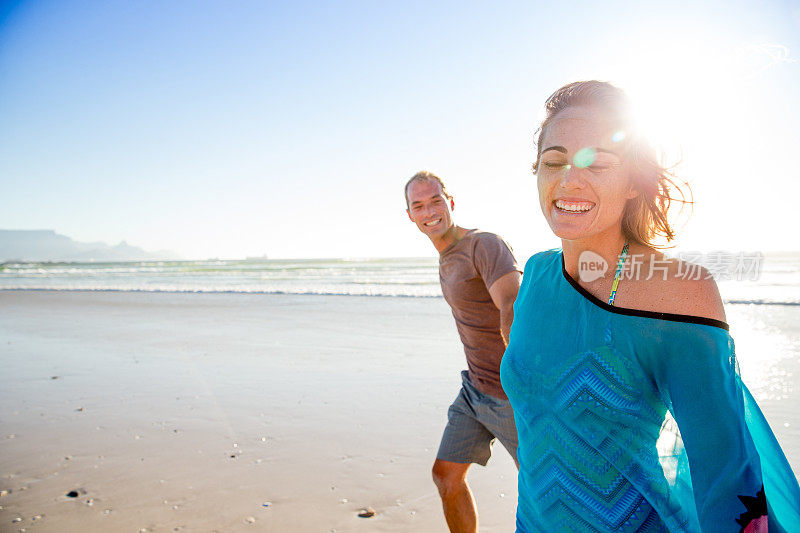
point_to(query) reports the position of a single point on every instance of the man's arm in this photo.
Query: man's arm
(504, 293)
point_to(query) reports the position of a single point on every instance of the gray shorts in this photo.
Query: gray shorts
(474, 420)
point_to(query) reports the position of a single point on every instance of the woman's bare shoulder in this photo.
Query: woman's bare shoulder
(669, 285)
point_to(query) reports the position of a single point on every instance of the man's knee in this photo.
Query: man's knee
(449, 477)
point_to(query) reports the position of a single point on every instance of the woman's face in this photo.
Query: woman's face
(583, 179)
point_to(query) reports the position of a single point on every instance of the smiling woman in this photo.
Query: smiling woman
(628, 403)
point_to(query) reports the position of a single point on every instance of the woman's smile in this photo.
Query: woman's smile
(573, 206)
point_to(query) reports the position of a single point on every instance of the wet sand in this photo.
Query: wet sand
(237, 412)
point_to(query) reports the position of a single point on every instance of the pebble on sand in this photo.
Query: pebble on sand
(250, 520)
(72, 494)
(369, 512)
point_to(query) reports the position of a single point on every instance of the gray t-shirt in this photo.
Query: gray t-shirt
(466, 271)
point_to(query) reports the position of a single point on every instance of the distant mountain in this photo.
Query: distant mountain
(47, 245)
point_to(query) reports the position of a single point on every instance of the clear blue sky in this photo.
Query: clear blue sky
(288, 128)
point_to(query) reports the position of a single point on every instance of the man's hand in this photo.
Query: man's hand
(504, 293)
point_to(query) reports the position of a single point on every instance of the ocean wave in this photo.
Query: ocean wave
(762, 302)
(297, 292)
(778, 284)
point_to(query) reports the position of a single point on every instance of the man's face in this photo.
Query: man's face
(429, 208)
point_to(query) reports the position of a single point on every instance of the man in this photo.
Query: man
(480, 279)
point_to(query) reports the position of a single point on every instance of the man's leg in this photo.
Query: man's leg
(465, 441)
(457, 501)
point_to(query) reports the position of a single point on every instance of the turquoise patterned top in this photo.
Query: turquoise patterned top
(634, 421)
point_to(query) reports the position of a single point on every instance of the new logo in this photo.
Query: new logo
(591, 266)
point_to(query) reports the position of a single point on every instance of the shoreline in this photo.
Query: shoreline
(726, 301)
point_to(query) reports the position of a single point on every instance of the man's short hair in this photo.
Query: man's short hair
(424, 175)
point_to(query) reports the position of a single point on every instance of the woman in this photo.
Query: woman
(630, 412)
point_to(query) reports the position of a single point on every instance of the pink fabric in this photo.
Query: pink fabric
(758, 525)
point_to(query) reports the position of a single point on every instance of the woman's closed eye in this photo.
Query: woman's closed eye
(555, 165)
(596, 167)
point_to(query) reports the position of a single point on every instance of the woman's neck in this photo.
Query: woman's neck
(607, 246)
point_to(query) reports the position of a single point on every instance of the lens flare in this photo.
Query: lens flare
(584, 157)
(618, 136)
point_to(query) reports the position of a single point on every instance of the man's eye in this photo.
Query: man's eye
(554, 164)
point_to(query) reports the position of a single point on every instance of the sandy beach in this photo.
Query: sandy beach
(258, 412)
(195, 411)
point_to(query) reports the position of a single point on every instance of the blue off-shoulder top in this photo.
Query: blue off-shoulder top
(635, 421)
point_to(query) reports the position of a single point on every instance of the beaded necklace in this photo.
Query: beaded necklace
(618, 274)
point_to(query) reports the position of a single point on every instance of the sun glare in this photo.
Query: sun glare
(684, 92)
(703, 104)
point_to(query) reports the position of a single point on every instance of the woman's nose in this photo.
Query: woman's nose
(571, 178)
